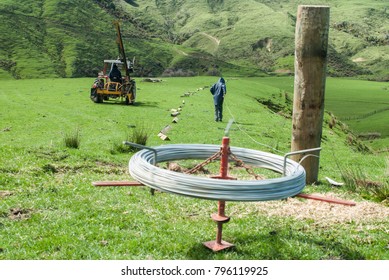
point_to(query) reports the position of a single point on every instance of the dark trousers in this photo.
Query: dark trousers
(219, 112)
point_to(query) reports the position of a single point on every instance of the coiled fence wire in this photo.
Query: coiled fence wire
(291, 183)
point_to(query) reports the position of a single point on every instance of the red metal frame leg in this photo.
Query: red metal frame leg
(220, 218)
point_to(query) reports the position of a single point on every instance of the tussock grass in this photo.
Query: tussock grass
(357, 181)
(72, 139)
(138, 134)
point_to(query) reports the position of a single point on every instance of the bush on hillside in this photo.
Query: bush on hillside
(169, 72)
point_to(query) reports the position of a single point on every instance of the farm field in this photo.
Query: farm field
(50, 210)
(362, 105)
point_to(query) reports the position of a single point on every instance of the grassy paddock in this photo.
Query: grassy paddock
(50, 210)
(362, 105)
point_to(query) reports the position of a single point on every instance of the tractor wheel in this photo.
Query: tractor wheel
(127, 100)
(95, 97)
(131, 94)
(93, 94)
(130, 98)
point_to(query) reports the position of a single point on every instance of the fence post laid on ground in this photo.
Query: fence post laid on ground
(311, 43)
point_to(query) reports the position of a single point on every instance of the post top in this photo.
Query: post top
(314, 6)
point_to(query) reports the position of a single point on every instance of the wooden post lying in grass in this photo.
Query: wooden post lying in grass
(309, 85)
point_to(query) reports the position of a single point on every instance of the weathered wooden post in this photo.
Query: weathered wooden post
(311, 42)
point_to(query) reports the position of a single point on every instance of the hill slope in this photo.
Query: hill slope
(70, 38)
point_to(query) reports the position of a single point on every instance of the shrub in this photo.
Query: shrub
(357, 181)
(169, 72)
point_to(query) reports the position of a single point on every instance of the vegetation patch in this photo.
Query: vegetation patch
(357, 181)
(280, 104)
(369, 136)
(139, 134)
(72, 139)
(166, 36)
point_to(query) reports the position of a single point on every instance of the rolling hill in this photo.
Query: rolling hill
(68, 38)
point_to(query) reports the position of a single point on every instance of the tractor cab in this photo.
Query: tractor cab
(110, 63)
(105, 74)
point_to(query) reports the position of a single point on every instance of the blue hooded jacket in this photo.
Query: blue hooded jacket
(218, 91)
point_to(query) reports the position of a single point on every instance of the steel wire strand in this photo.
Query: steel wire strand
(181, 182)
(188, 156)
(142, 170)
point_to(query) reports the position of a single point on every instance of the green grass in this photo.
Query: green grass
(50, 210)
(362, 105)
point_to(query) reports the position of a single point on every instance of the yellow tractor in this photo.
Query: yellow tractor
(110, 84)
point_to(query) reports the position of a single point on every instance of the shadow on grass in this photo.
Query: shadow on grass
(294, 246)
(136, 104)
(278, 246)
(200, 252)
(245, 123)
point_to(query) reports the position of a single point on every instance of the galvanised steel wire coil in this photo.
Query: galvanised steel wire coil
(143, 170)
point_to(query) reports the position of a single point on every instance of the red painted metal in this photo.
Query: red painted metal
(225, 149)
(326, 199)
(215, 246)
(225, 153)
(220, 218)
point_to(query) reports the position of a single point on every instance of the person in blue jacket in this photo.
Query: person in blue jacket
(219, 90)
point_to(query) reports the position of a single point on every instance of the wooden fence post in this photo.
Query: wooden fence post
(311, 43)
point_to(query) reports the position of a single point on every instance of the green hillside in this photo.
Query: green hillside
(68, 38)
